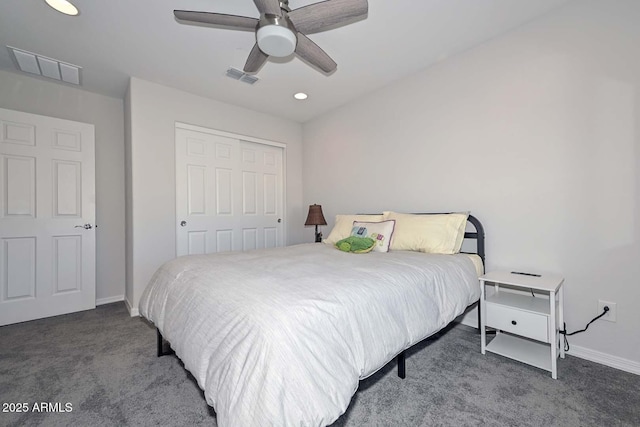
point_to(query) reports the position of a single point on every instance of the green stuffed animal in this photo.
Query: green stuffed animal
(355, 244)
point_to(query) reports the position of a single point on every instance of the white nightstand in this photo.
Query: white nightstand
(527, 327)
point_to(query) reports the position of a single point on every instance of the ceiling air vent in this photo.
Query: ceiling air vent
(47, 67)
(236, 74)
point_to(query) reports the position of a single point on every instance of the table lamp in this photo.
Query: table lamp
(315, 217)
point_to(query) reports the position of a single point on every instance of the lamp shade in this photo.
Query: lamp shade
(315, 216)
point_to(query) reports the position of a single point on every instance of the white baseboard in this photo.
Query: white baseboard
(469, 319)
(133, 311)
(605, 359)
(109, 300)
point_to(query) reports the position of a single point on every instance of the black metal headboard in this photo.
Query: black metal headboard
(478, 235)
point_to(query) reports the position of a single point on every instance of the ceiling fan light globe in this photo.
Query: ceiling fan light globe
(275, 40)
(63, 6)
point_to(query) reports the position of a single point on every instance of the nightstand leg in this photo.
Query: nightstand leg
(554, 335)
(483, 328)
(561, 317)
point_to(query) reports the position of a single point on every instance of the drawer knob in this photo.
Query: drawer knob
(513, 322)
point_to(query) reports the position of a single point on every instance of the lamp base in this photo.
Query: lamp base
(318, 235)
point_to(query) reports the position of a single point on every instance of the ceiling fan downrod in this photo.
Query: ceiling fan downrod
(284, 5)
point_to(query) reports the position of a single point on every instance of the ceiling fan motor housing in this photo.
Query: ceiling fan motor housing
(276, 35)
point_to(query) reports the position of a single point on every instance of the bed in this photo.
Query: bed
(283, 336)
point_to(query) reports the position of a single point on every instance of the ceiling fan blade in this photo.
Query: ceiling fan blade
(311, 52)
(268, 6)
(234, 21)
(255, 60)
(319, 16)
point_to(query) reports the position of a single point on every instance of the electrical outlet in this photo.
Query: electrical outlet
(611, 314)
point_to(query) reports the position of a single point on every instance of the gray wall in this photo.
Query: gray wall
(153, 111)
(33, 95)
(536, 133)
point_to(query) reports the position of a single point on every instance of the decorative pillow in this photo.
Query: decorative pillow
(344, 224)
(381, 232)
(355, 244)
(432, 233)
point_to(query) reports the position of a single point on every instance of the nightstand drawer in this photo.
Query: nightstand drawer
(518, 322)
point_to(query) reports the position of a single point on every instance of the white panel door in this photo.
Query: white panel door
(47, 212)
(229, 193)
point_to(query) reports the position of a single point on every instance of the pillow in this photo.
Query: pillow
(380, 232)
(433, 233)
(344, 224)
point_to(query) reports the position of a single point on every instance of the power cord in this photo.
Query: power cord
(564, 332)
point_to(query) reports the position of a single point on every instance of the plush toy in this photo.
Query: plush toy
(356, 244)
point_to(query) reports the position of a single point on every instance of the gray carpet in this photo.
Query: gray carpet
(103, 363)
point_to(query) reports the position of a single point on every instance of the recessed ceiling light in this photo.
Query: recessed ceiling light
(301, 96)
(63, 6)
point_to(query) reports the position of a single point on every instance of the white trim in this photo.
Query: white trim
(285, 234)
(133, 312)
(109, 300)
(195, 128)
(470, 318)
(605, 359)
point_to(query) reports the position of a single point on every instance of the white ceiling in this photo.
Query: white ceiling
(114, 39)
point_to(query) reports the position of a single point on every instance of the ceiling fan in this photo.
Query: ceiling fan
(281, 31)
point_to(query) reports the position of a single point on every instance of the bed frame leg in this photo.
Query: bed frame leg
(401, 365)
(162, 349)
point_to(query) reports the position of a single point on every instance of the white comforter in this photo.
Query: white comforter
(282, 336)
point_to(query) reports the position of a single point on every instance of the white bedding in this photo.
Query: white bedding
(282, 336)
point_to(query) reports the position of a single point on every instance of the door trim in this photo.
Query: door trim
(195, 128)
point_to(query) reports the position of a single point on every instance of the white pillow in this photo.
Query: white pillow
(432, 233)
(380, 232)
(344, 224)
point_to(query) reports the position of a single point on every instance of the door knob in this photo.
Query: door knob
(279, 220)
(86, 226)
(183, 223)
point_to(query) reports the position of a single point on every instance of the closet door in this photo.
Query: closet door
(47, 217)
(229, 193)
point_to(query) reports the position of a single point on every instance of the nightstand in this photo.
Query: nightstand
(527, 327)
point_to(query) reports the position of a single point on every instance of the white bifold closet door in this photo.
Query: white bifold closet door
(47, 214)
(229, 193)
